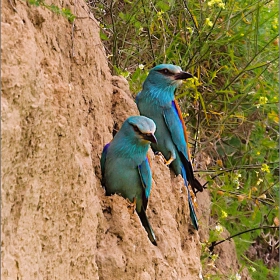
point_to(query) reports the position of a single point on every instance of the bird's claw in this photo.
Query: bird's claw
(193, 197)
(167, 162)
(132, 205)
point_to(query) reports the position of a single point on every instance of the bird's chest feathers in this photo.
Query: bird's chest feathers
(162, 96)
(129, 155)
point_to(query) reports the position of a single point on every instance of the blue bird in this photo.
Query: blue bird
(157, 101)
(126, 168)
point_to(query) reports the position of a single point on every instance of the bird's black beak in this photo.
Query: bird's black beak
(150, 137)
(183, 76)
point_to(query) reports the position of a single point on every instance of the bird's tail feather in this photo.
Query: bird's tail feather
(192, 211)
(190, 175)
(195, 184)
(147, 226)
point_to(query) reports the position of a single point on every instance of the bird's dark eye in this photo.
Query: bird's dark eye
(136, 129)
(166, 72)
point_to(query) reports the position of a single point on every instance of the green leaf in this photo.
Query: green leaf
(103, 36)
(255, 66)
(162, 5)
(36, 3)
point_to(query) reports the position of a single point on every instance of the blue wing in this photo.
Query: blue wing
(102, 162)
(145, 173)
(146, 179)
(175, 123)
(176, 126)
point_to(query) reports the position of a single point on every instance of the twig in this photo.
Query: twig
(72, 33)
(14, 8)
(215, 243)
(255, 166)
(149, 34)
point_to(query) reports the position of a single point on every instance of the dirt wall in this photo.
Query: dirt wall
(59, 106)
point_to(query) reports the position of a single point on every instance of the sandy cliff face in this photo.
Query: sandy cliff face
(59, 104)
(59, 107)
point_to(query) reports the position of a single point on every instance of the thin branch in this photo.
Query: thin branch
(14, 8)
(148, 29)
(215, 243)
(249, 62)
(72, 34)
(256, 166)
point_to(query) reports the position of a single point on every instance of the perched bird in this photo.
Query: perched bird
(125, 165)
(157, 101)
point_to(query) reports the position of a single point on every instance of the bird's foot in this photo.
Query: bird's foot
(193, 197)
(132, 205)
(167, 162)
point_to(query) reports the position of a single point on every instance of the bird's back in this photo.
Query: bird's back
(122, 176)
(154, 110)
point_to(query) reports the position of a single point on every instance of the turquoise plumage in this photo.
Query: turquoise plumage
(125, 165)
(157, 101)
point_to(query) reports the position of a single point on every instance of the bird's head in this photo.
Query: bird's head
(141, 129)
(167, 75)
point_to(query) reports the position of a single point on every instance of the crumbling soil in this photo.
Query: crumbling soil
(60, 106)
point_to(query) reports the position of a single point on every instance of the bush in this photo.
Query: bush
(230, 107)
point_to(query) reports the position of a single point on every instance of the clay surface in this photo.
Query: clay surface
(60, 106)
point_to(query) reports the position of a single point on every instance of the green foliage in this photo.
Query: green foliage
(53, 8)
(231, 106)
(260, 271)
